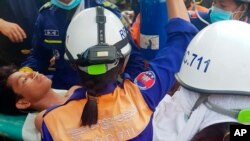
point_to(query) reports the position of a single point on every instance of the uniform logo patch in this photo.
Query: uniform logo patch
(145, 80)
(51, 32)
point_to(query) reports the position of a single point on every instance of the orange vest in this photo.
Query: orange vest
(122, 115)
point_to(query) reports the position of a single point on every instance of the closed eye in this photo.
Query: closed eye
(24, 80)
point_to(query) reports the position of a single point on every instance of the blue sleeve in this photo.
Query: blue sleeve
(168, 61)
(45, 133)
(135, 63)
(40, 56)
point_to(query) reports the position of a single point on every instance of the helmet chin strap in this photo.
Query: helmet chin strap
(242, 115)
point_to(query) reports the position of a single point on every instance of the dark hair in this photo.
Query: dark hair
(7, 95)
(174, 88)
(215, 132)
(247, 13)
(238, 3)
(5, 72)
(94, 84)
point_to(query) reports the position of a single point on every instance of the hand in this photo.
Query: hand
(12, 30)
(128, 16)
(177, 8)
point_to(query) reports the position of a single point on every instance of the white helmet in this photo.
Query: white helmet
(218, 60)
(96, 40)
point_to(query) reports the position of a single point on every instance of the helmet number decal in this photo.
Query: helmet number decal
(195, 60)
(123, 32)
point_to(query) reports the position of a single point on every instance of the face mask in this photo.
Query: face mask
(218, 14)
(68, 6)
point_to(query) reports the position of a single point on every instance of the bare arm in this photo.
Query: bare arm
(177, 9)
(12, 30)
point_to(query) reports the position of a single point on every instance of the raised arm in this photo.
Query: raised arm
(177, 9)
(160, 77)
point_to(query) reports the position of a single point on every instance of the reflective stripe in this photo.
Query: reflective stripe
(53, 41)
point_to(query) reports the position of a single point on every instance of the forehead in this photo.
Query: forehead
(12, 80)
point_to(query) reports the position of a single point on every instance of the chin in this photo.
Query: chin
(47, 83)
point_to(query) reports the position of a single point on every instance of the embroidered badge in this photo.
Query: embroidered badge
(51, 32)
(145, 80)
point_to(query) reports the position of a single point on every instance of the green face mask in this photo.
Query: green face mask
(218, 14)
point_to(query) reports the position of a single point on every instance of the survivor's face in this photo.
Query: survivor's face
(30, 85)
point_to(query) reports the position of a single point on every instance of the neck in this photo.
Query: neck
(49, 99)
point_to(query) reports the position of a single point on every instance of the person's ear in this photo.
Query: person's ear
(23, 104)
